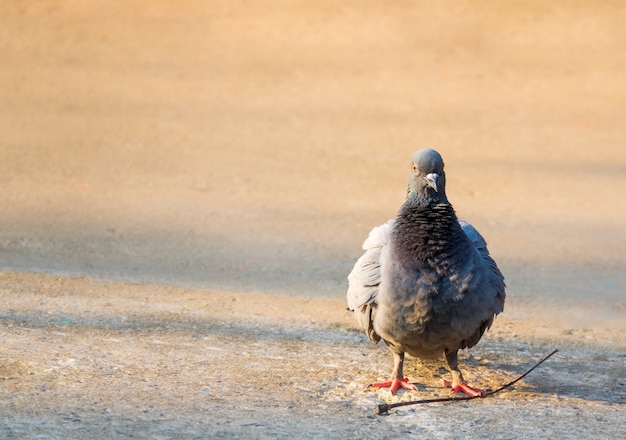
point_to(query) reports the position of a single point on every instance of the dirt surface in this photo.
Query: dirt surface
(87, 359)
(239, 153)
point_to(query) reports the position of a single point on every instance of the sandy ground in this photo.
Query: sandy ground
(219, 147)
(87, 359)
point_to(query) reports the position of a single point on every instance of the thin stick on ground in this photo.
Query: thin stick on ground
(383, 408)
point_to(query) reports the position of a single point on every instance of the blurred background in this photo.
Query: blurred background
(251, 146)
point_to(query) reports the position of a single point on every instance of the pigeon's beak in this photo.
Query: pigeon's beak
(433, 180)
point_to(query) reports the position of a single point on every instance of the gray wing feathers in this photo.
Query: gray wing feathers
(474, 236)
(496, 280)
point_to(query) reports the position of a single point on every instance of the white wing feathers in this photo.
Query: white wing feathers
(364, 279)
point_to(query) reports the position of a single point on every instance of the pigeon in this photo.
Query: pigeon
(426, 284)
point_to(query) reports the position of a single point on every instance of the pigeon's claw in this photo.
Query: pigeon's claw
(464, 388)
(394, 384)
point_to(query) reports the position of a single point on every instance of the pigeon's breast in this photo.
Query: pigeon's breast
(423, 308)
(406, 302)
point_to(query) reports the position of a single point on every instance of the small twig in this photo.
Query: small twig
(383, 408)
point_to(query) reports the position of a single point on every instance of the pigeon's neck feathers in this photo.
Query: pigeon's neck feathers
(427, 230)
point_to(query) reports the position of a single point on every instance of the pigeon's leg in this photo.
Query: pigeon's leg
(458, 384)
(397, 378)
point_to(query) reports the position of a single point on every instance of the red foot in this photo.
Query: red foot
(465, 389)
(394, 384)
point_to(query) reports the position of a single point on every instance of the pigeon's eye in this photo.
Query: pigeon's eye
(415, 168)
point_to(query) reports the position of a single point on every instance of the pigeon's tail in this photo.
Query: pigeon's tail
(365, 318)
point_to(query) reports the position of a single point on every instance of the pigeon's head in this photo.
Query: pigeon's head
(427, 177)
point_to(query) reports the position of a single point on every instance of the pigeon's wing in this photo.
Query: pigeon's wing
(477, 240)
(364, 280)
(495, 280)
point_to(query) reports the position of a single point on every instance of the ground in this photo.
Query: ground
(86, 359)
(184, 187)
